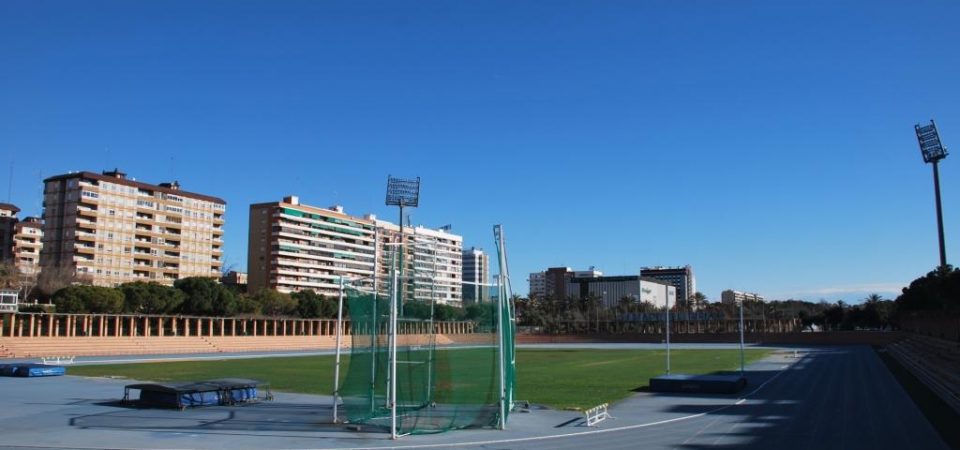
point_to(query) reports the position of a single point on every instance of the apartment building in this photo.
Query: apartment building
(109, 229)
(730, 296)
(476, 275)
(20, 240)
(294, 247)
(435, 256)
(680, 277)
(8, 221)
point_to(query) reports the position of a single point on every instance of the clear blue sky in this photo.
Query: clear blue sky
(768, 144)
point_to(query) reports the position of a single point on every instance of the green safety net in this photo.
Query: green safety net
(439, 386)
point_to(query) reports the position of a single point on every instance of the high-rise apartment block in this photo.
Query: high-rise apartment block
(295, 247)
(20, 240)
(476, 276)
(108, 229)
(680, 277)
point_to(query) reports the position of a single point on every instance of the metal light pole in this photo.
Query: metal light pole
(402, 192)
(933, 151)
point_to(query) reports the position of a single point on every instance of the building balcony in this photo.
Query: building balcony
(86, 249)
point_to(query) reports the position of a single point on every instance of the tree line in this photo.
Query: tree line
(195, 296)
(578, 315)
(199, 296)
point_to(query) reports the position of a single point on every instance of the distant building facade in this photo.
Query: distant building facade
(680, 277)
(476, 276)
(20, 240)
(8, 221)
(555, 281)
(235, 279)
(435, 255)
(295, 247)
(613, 290)
(730, 296)
(538, 285)
(108, 229)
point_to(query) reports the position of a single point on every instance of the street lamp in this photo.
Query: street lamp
(933, 151)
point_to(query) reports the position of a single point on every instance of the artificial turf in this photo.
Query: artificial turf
(557, 378)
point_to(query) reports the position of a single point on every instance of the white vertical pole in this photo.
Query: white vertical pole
(336, 368)
(393, 357)
(503, 391)
(741, 338)
(667, 296)
(375, 320)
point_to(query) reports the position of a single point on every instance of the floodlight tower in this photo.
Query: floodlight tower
(402, 192)
(933, 151)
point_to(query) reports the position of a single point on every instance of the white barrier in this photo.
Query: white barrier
(56, 360)
(597, 414)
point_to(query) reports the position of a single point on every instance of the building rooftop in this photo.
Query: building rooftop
(115, 176)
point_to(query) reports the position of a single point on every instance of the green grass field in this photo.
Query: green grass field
(557, 378)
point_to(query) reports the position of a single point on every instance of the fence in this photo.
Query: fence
(130, 325)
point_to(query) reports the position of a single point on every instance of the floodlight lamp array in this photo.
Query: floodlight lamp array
(403, 192)
(930, 145)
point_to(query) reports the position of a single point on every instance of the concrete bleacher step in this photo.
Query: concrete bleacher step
(936, 360)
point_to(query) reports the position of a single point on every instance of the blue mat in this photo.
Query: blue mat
(31, 370)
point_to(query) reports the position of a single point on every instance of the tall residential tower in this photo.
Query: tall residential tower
(108, 229)
(476, 276)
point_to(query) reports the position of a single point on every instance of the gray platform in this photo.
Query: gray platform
(698, 384)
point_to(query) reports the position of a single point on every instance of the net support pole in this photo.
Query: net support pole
(502, 359)
(376, 325)
(393, 357)
(741, 339)
(668, 330)
(336, 367)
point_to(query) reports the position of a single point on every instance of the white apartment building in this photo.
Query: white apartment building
(436, 260)
(294, 247)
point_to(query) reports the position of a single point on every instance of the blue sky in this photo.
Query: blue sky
(768, 144)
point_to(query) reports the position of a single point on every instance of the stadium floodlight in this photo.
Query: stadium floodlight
(403, 192)
(930, 145)
(933, 151)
